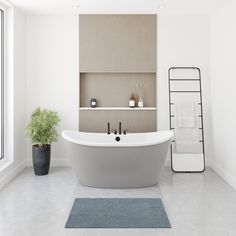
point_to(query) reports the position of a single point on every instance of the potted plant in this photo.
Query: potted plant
(42, 132)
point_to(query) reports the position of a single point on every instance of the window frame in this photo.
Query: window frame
(2, 104)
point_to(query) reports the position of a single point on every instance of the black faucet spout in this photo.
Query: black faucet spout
(120, 128)
(108, 128)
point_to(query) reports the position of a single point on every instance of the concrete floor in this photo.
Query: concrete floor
(196, 204)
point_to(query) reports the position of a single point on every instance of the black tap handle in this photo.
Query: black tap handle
(125, 131)
(115, 131)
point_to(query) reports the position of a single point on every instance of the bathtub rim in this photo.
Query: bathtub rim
(168, 137)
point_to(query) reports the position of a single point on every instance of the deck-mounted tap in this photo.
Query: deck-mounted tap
(108, 128)
(114, 131)
(125, 131)
(120, 132)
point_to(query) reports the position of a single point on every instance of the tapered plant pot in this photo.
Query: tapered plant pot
(41, 159)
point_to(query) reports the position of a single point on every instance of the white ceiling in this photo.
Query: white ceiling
(118, 6)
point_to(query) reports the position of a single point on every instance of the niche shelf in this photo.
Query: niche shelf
(118, 109)
(114, 89)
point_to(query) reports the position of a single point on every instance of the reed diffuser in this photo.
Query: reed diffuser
(140, 89)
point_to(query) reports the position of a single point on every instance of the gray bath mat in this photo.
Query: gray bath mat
(118, 213)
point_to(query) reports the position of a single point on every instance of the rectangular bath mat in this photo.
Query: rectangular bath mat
(118, 213)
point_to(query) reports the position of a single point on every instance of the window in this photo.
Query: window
(1, 83)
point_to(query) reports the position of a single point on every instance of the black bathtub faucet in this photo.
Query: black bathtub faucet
(108, 128)
(119, 127)
(115, 131)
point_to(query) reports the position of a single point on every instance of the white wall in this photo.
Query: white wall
(53, 73)
(15, 152)
(52, 65)
(223, 64)
(183, 40)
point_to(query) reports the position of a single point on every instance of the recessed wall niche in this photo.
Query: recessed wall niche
(115, 89)
(117, 52)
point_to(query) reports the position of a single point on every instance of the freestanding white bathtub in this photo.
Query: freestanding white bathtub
(99, 160)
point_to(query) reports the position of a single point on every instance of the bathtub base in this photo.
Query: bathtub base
(118, 185)
(118, 167)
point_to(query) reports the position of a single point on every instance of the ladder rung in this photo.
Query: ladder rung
(173, 141)
(184, 79)
(184, 67)
(183, 91)
(174, 104)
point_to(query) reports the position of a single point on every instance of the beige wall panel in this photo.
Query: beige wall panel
(117, 43)
(134, 121)
(115, 89)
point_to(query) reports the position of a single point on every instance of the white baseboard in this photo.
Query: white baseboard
(168, 162)
(224, 174)
(12, 173)
(54, 163)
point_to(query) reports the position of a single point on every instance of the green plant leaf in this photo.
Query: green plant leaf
(42, 127)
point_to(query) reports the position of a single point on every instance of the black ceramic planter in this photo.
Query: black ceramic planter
(41, 159)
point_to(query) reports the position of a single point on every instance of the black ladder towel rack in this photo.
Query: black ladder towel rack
(183, 91)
